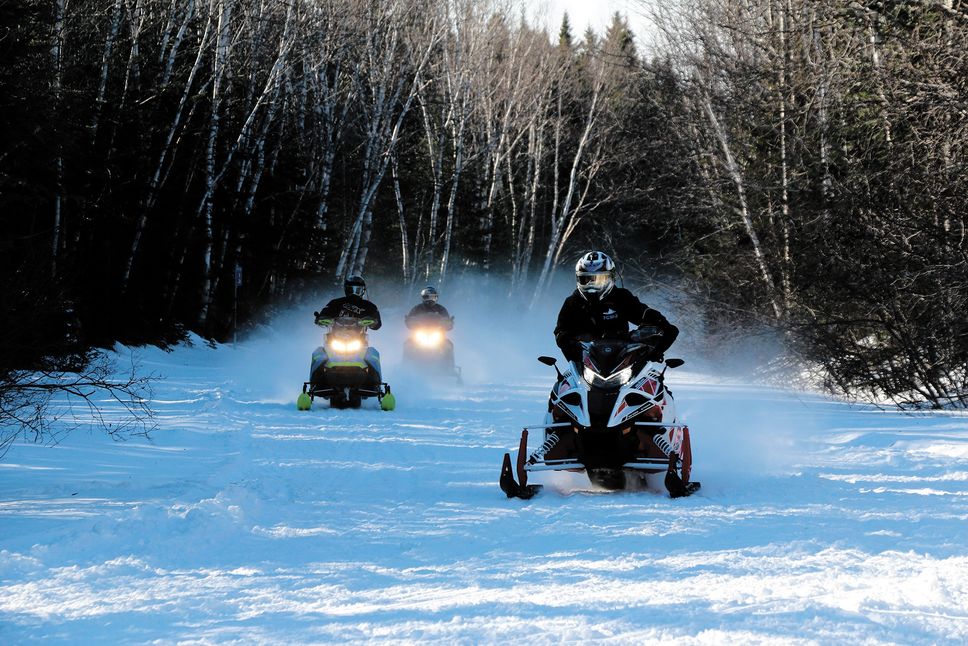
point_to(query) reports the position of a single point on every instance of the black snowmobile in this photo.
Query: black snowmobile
(427, 347)
(613, 417)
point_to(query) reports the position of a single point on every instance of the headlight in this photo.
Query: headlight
(620, 378)
(338, 345)
(428, 338)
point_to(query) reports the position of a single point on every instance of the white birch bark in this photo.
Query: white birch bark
(270, 88)
(220, 61)
(784, 163)
(566, 215)
(156, 180)
(736, 175)
(386, 87)
(458, 138)
(176, 44)
(435, 139)
(402, 218)
(105, 65)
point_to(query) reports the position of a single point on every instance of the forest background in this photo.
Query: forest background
(186, 165)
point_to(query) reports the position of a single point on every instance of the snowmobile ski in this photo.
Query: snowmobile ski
(674, 484)
(509, 485)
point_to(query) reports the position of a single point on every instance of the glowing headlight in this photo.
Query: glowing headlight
(618, 379)
(428, 338)
(338, 345)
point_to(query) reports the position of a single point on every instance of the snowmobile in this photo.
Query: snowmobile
(612, 417)
(428, 347)
(343, 369)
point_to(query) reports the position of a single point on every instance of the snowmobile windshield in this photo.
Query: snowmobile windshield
(608, 363)
(347, 322)
(347, 336)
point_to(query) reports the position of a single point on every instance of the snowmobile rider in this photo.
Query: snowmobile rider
(430, 314)
(429, 308)
(354, 305)
(599, 310)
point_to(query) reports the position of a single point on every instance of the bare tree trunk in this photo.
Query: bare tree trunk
(105, 65)
(452, 200)
(874, 41)
(562, 219)
(435, 138)
(784, 170)
(222, 44)
(57, 56)
(383, 132)
(737, 176)
(819, 64)
(157, 178)
(532, 207)
(176, 45)
(401, 213)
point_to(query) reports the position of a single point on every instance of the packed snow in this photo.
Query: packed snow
(242, 519)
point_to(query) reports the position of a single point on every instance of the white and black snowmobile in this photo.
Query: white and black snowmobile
(428, 349)
(613, 417)
(345, 369)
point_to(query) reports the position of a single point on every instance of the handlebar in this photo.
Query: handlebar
(344, 321)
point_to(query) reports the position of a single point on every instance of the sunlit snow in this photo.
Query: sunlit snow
(242, 519)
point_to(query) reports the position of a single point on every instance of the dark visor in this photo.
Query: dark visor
(599, 280)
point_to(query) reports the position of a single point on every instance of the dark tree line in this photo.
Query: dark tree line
(165, 164)
(831, 140)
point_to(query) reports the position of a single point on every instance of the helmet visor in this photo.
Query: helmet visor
(593, 282)
(355, 290)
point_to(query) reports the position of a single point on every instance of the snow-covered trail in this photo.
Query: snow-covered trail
(245, 520)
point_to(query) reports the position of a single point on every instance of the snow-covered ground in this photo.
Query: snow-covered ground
(244, 520)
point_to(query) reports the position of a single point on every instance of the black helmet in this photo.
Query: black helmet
(429, 294)
(355, 286)
(595, 275)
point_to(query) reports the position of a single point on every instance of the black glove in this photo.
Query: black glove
(647, 334)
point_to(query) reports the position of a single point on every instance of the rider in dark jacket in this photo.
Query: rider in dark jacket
(352, 305)
(598, 310)
(429, 308)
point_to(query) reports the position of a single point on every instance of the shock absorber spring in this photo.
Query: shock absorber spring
(546, 446)
(663, 444)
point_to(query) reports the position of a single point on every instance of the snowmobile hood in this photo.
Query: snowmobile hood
(607, 357)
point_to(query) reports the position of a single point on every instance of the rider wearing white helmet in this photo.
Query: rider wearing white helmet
(598, 309)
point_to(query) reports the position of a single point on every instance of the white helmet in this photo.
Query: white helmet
(428, 294)
(595, 275)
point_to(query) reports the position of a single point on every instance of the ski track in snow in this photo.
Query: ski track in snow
(244, 520)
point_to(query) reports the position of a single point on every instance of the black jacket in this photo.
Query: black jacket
(608, 318)
(353, 306)
(428, 310)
